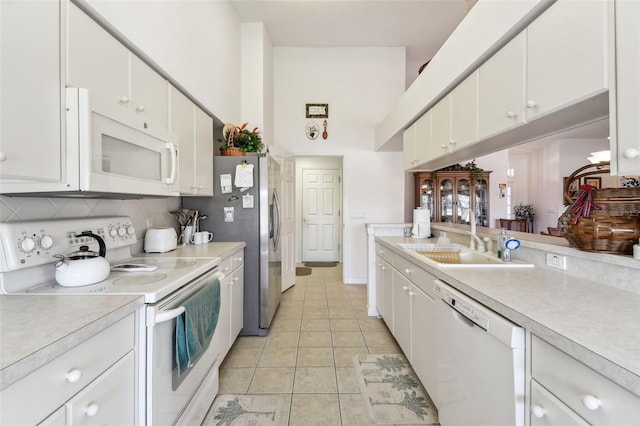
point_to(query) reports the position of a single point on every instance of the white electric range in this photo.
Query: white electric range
(27, 252)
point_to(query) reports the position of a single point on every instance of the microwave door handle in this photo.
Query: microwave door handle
(167, 315)
(174, 160)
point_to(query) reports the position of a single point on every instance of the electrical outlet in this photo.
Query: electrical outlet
(557, 261)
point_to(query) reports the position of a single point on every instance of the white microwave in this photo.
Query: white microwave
(107, 151)
(119, 152)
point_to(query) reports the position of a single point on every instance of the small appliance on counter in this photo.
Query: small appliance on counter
(160, 240)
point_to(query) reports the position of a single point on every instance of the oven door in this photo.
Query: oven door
(119, 151)
(168, 395)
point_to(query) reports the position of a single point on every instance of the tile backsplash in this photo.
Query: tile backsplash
(152, 211)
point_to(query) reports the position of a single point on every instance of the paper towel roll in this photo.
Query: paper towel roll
(421, 223)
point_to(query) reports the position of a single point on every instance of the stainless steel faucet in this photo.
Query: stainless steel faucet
(475, 241)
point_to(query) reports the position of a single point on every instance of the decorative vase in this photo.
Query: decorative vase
(232, 152)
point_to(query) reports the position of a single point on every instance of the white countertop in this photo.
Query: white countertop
(36, 329)
(596, 324)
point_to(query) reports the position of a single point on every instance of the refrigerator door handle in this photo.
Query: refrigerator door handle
(277, 223)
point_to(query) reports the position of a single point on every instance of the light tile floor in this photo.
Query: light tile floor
(307, 355)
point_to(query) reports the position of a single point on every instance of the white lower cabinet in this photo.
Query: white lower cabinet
(230, 318)
(582, 393)
(408, 289)
(93, 383)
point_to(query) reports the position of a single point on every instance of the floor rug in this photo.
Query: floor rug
(301, 271)
(392, 392)
(321, 264)
(255, 410)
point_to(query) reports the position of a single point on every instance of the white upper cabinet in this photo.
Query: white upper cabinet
(30, 105)
(100, 63)
(409, 147)
(423, 138)
(501, 89)
(464, 112)
(441, 128)
(195, 140)
(566, 55)
(625, 88)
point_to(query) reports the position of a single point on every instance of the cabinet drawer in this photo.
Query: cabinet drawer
(237, 260)
(225, 266)
(108, 400)
(60, 379)
(579, 387)
(547, 410)
(383, 252)
(421, 278)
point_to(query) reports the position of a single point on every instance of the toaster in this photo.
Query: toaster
(160, 240)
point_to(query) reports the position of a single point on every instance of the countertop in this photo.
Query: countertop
(597, 324)
(36, 329)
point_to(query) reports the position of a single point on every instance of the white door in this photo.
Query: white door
(288, 223)
(321, 215)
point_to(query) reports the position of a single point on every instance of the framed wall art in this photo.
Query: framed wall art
(317, 110)
(593, 181)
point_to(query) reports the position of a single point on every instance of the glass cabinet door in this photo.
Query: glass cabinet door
(482, 202)
(446, 200)
(426, 195)
(463, 202)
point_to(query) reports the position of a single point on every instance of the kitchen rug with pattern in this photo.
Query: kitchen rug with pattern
(255, 410)
(392, 392)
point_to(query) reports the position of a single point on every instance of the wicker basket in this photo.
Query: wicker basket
(232, 152)
(613, 225)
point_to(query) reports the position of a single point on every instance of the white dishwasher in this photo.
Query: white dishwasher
(480, 364)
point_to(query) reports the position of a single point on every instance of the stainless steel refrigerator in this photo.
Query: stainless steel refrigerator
(251, 215)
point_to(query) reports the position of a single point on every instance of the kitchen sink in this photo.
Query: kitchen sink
(459, 256)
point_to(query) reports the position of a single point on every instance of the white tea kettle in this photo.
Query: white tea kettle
(83, 267)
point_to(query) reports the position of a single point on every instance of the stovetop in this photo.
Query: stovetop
(27, 250)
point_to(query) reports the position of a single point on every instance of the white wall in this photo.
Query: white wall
(359, 84)
(196, 42)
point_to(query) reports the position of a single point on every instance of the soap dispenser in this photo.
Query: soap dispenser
(502, 240)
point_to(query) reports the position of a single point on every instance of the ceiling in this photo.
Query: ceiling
(422, 26)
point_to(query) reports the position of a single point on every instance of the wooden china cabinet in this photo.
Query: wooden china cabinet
(451, 195)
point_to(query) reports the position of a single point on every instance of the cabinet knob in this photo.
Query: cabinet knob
(405, 288)
(140, 108)
(124, 100)
(538, 411)
(452, 142)
(92, 409)
(443, 146)
(3, 156)
(411, 294)
(239, 259)
(407, 271)
(531, 104)
(512, 114)
(591, 402)
(73, 375)
(628, 153)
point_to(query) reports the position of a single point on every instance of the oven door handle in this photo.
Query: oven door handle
(167, 315)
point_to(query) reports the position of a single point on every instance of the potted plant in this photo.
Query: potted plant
(524, 211)
(240, 140)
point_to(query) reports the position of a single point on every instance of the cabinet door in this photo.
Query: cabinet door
(423, 138)
(182, 124)
(203, 153)
(237, 303)
(387, 283)
(423, 340)
(501, 89)
(463, 201)
(96, 60)
(409, 147)
(625, 90)
(380, 269)
(222, 336)
(402, 312)
(149, 93)
(31, 104)
(441, 128)
(447, 200)
(108, 400)
(566, 55)
(464, 112)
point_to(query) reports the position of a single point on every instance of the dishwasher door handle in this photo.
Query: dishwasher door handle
(458, 316)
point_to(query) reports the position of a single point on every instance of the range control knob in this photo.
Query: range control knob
(113, 232)
(46, 242)
(27, 245)
(122, 231)
(130, 230)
